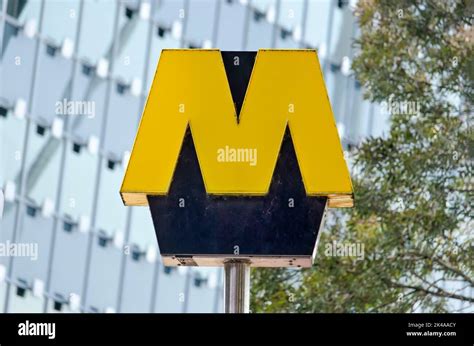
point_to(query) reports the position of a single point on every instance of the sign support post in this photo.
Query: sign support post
(237, 286)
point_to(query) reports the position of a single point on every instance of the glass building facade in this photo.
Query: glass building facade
(74, 77)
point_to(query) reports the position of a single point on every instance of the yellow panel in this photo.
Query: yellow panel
(191, 88)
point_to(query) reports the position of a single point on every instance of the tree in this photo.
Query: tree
(413, 187)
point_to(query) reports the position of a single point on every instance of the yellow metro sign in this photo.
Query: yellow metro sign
(190, 89)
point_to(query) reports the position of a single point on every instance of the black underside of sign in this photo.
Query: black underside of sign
(190, 222)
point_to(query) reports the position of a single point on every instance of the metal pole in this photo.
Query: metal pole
(237, 286)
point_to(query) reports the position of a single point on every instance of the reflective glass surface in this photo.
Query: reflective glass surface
(17, 65)
(12, 133)
(78, 182)
(43, 161)
(60, 20)
(111, 213)
(131, 45)
(24, 304)
(138, 285)
(97, 14)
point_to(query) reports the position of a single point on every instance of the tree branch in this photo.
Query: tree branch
(439, 293)
(445, 265)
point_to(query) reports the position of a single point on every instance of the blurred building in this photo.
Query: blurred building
(74, 77)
